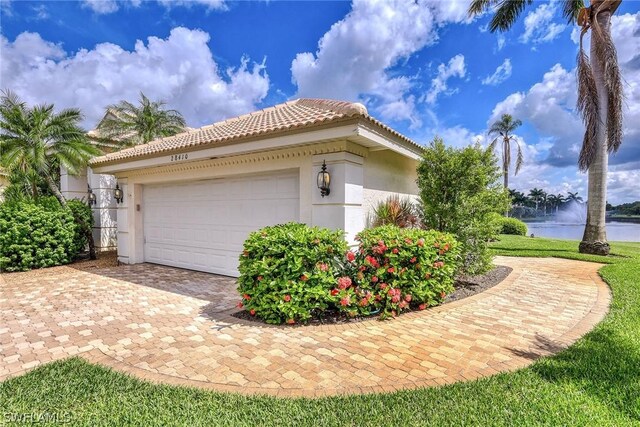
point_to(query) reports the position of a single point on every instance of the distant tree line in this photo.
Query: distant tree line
(538, 202)
(632, 208)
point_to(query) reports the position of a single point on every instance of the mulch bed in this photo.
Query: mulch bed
(105, 259)
(465, 286)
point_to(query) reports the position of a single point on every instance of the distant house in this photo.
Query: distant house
(190, 200)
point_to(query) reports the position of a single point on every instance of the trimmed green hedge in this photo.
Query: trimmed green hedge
(287, 271)
(400, 269)
(292, 273)
(512, 226)
(36, 235)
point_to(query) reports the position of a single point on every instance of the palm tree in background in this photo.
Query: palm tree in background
(573, 197)
(599, 98)
(504, 128)
(537, 195)
(127, 124)
(556, 200)
(517, 198)
(544, 199)
(35, 141)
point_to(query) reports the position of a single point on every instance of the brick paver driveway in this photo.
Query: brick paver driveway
(174, 326)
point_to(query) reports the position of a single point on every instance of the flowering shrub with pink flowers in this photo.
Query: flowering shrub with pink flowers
(292, 273)
(397, 269)
(287, 272)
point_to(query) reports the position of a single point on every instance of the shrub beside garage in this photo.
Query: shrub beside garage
(39, 234)
(292, 273)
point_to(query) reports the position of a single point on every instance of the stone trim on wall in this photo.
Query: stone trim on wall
(288, 153)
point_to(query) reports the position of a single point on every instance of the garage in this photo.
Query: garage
(190, 200)
(202, 225)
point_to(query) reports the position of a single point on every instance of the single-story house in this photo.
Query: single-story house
(190, 200)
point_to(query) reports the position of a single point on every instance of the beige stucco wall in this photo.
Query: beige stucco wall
(360, 178)
(387, 173)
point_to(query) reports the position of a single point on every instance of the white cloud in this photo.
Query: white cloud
(179, 69)
(539, 26)
(103, 7)
(548, 106)
(355, 57)
(502, 41)
(209, 4)
(41, 12)
(5, 8)
(623, 185)
(455, 68)
(458, 136)
(502, 73)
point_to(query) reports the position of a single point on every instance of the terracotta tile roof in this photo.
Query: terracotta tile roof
(297, 114)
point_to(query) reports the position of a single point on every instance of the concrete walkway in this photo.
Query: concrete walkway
(174, 326)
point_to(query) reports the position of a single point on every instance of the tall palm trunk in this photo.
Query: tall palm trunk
(506, 160)
(86, 228)
(594, 240)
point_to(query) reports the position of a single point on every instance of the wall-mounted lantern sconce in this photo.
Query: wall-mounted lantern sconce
(324, 180)
(91, 197)
(117, 194)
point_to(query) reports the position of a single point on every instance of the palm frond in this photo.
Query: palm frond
(493, 144)
(519, 158)
(570, 9)
(478, 7)
(126, 124)
(507, 13)
(587, 106)
(606, 52)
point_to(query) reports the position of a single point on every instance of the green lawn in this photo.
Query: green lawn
(595, 382)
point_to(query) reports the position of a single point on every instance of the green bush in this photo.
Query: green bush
(80, 209)
(287, 271)
(459, 191)
(35, 235)
(291, 273)
(397, 269)
(512, 226)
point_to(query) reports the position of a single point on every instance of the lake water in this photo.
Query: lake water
(616, 230)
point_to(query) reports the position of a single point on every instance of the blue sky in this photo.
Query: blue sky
(423, 68)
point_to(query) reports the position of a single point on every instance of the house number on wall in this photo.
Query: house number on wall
(176, 157)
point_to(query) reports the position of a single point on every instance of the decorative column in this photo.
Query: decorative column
(342, 208)
(130, 226)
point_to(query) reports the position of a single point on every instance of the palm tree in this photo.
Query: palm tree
(517, 198)
(504, 129)
(34, 141)
(544, 199)
(556, 200)
(537, 195)
(129, 125)
(599, 99)
(573, 197)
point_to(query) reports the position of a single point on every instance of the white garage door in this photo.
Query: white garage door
(202, 225)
